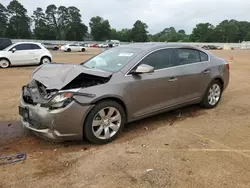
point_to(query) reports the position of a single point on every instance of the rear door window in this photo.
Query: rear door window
(159, 60)
(188, 56)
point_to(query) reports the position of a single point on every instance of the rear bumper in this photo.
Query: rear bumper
(58, 125)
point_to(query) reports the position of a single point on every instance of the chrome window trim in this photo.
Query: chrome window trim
(127, 74)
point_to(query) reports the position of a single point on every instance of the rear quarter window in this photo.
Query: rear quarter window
(204, 56)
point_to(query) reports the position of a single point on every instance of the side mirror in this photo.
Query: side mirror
(13, 50)
(143, 68)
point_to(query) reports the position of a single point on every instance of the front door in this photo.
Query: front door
(152, 92)
(22, 54)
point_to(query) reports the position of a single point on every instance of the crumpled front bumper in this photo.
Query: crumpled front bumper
(60, 124)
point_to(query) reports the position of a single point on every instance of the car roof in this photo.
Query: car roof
(157, 45)
(28, 43)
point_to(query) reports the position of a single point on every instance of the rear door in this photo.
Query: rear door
(194, 73)
(35, 52)
(152, 92)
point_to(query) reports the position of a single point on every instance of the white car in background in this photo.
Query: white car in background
(24, 53)
(103, 45)
(73, 48)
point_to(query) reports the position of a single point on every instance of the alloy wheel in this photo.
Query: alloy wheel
(214, 94)
(4, 63)
(106, 123)
(45, 60)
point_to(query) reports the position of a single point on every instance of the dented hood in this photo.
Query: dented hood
(57, 76)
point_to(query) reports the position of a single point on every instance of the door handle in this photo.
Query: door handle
(207, 71)
(173, 79)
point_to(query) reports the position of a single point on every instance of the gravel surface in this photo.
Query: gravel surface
(191, 147)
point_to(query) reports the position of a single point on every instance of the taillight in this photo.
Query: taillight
(228, 66)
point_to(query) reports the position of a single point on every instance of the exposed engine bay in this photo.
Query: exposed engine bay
(37, 93)
(86, 80)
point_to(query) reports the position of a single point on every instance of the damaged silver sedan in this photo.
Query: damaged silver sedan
(95, 99)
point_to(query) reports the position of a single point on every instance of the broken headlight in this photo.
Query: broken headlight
(60, 101)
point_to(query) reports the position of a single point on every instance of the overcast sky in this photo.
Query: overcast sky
(158, 14)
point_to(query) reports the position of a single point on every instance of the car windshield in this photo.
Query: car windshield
(112, 60)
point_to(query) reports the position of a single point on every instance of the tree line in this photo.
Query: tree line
(65, 23)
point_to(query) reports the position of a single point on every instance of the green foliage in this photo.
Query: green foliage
(226, 31)
(100, 28)
(125, 35)
(42, 29)
(76, 29)
(203, 32)
(19, 22)
(247, 37)
(3, 20)
(182, 31)
(139, 32)
(65, 23)
(169, 35)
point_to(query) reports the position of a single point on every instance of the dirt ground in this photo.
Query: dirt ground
(191, 147)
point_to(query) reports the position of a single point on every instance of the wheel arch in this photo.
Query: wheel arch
(116, 99)
(45, 56)
(5, 59)
(220, 80)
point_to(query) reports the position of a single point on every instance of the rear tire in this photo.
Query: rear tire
(104, 122)
(45, 60)
(83, 50)
(213, 95)
(4, 63)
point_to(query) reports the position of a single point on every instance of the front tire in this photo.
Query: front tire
(68, 50)
(83, 50)
(4, 63)
(213, 95)
(104, 122)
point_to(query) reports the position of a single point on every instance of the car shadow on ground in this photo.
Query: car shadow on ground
(22, 67)
(27, 67)
(13, 138)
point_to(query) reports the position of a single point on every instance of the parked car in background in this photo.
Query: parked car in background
(84, 44)
(104, 45)
(4, 43)
(73, 48)
(123, 84)
(212, 47)
(24, 53)
(50, 46)
(113, 43)
(94, 46)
